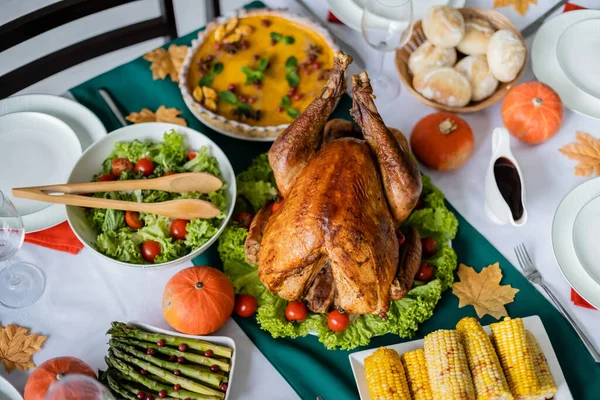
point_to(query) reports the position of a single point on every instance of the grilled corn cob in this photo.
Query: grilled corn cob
(447, 367)
(516, 358)
(416, 374)
(385, 376)
(488, 377)
(547, 387)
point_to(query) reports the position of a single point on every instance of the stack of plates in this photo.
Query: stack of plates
(565, 56)
(576, 239)
(42, 137)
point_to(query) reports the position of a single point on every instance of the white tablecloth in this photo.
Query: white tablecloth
(84, 293)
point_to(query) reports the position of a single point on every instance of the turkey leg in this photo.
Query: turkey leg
(400, 175)
(292, 149)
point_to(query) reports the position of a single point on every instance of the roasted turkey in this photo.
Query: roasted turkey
(345, 190)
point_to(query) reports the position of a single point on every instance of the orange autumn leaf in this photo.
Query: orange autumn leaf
(166, 62)
(163, 114)
(483, 290)
(520, 6)
(17, 347)
(586, 151)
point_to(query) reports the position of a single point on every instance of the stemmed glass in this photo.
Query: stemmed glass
(78, 386)
(386, 25)
(21, 284)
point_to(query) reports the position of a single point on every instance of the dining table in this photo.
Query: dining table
(84, 292)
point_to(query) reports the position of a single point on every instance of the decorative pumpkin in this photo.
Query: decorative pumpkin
(51, 371)
(198, 300)
(532, 112)
(442, 141)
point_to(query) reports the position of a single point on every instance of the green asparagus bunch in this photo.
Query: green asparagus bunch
(142, 366)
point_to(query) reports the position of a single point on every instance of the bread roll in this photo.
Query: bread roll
(427, 55)
(477, 35)
(443, 85)
(506, 55)
(475, 68)
(443, 26)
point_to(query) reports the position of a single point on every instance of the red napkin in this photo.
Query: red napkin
(59, 237)
(333, 18)
(580, 301)
(571, 7)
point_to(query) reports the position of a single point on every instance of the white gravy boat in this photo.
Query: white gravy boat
(496, 207)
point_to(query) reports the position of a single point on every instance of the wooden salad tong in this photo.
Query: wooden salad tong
(177, 183)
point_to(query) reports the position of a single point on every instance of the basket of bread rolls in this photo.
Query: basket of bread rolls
(461, 60)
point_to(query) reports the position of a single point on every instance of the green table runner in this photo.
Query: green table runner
(303, 362)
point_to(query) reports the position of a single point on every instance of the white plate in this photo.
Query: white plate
(220, 340)
(563, 240)
(547, 69)
(575, 42)
(7, 391)
(82, 121)
(586, 232)
(37, 149)
(350, 11)
(533, 324)
(91, 161)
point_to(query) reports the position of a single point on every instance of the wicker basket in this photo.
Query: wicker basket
(497, 20)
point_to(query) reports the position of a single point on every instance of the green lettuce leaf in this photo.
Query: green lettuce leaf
(199, 231)
(120, 245)
(257, 183)
(203, 162)
(113, 220)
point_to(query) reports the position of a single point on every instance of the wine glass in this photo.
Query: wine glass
(21, 284)
(78, 386)
(386, 25)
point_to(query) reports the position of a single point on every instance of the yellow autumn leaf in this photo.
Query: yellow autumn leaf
(163, 114)
(166, 62)
(586, 151)
(520, 6)
(17, 347)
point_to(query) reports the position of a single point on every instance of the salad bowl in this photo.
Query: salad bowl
(91, 163)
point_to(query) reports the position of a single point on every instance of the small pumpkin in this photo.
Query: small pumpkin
(442, 141)
(198, 300)
(52, 371)
(532, 112)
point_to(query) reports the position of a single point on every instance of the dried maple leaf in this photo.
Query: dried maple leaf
(17, 347)
(163, 114)
(166, 62)
(586, 151)
(520, 6)
(483, 290)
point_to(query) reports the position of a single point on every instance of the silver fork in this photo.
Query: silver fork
(533, 276)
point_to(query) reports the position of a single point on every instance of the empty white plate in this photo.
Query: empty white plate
(586, 238)
(581, 42)
(37, 149)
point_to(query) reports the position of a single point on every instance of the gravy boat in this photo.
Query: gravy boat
(496, 208)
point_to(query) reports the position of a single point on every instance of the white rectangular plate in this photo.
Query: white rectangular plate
(220, 340)
(533, 324)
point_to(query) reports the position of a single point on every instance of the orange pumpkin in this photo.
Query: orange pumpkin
(442, 141)
(198, 300)
(51, 371)
(532, 112)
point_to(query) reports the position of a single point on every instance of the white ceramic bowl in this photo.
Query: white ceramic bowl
(90, 164)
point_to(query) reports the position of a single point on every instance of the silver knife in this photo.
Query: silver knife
(113, 107)
(535, 25)
(358, 61)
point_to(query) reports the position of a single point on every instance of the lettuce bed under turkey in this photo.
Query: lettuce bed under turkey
(117, 240)
(256, 186)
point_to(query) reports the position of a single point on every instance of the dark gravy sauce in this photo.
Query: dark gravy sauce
(509, 184)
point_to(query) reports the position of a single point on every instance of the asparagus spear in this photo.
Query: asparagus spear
(117, 388)
(120, 329)
(204, 375)
(193, 357)
(166, 375)
(128, 390)
(123, 371)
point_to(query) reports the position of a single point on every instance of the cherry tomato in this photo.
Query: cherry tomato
(121, 164)
(179, 229)
(191, 154)
(150, 250)
(425, 272)
(276, 206)
(169, 173)
(400, 237)
(296, 311)
(133, 220)
(429, 246)
(107, 177)
(243, 219)
(338, 321)
(144, 166)
(245, 305)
